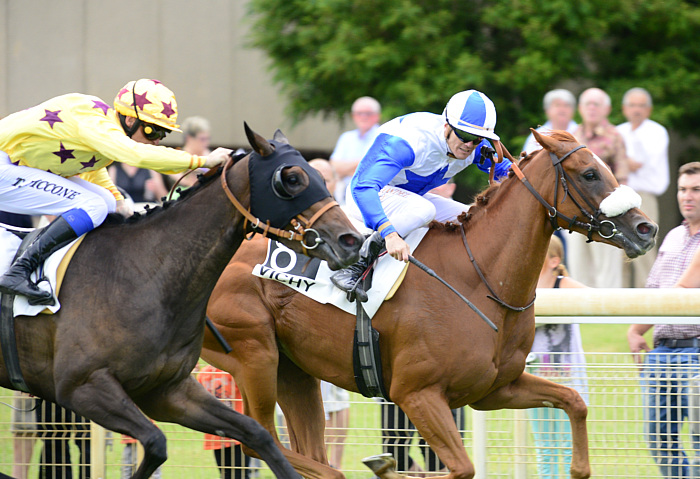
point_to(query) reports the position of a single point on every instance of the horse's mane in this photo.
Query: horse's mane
(483, 198)
(202, 181)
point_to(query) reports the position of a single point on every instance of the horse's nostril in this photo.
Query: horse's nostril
(644, 229)
(350, 240)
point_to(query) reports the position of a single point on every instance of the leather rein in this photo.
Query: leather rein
(594, 224)
(300, 223)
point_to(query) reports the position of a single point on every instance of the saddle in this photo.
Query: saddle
(52, 272)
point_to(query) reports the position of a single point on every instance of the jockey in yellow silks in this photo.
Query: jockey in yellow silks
(53, 160)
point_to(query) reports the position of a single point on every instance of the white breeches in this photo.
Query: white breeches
(408, 211)
(31, 191)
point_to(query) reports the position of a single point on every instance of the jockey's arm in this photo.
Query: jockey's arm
(384, 160)
(502, 168)
(101, 177)
(107, 138)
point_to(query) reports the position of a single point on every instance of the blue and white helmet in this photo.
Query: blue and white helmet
(473, 112)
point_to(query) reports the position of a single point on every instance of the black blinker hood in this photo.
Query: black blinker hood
(264, 203)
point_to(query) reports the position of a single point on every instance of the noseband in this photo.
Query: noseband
(605, 228)
(266, 229)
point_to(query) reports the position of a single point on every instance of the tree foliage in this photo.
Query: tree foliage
(412, 55)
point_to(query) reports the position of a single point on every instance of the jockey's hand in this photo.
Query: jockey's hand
(217, 157)
(397, 247)
(124, 208)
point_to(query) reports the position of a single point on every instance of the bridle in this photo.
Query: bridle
(594, 224)
(605, 228)
(300, 223)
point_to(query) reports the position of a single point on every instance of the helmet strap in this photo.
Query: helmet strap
(134, 127)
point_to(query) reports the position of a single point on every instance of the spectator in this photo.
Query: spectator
(558, 356)
(352, 145)
(24, 433)
(691, 277)
(597, 264)
(674, 359)
(232, 463)
(141, 185)
(336, 404)
(56, 426)
(559, 107)
(197, 132)
(647, 146)
(327, 172)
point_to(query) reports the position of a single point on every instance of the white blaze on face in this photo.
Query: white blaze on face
(604, 164)
(620, 201)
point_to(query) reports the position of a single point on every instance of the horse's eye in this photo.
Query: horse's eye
(293, 180)
(590, 176)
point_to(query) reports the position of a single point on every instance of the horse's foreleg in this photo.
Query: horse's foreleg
(190, 405)
(102, 399)
(431, 414)
(530, 391)
(299, 396)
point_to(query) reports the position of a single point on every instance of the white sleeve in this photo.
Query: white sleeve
(656, 166)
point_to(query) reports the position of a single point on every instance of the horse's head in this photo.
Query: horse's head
(587, 198)
(288, 195)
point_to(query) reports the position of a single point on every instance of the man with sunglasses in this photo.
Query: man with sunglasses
(53, 160)
(411, 155)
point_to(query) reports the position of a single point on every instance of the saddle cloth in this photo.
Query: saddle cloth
(54, 269)
(312, 276)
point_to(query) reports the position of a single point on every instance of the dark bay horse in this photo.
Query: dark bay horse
(130, 328)
(437, 353)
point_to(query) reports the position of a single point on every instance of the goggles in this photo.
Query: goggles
(154, 132)
(465, 137)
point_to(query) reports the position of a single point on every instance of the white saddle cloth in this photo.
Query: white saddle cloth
(312, 277)
(9, 243)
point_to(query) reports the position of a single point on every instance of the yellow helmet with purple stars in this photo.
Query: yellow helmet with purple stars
(149, 101)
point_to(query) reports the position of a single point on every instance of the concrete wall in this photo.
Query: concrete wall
(197, 48)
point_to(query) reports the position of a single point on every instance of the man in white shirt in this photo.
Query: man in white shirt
(559, 106)
(646, 143)
(352, 145)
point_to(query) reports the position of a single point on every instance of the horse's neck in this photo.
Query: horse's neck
(186, 248)
(509, 239)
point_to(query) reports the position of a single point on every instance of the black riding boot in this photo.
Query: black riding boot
(347, 278)
(16, 281)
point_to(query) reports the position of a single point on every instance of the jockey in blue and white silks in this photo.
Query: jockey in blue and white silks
(411, 155)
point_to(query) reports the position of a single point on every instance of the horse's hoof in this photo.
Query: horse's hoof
(383, 465)
(583, 473)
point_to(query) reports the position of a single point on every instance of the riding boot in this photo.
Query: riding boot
(16, 280)
(347, 279)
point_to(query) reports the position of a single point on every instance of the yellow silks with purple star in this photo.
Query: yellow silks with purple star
(79, 134)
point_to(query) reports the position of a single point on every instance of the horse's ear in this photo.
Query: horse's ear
(280, 137)
(547, 142)
(257, 142)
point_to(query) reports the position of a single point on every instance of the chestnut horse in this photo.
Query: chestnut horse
(437, 354)
(130, 328)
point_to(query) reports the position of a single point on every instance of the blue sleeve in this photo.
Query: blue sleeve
(386, 157)
(484, 164)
